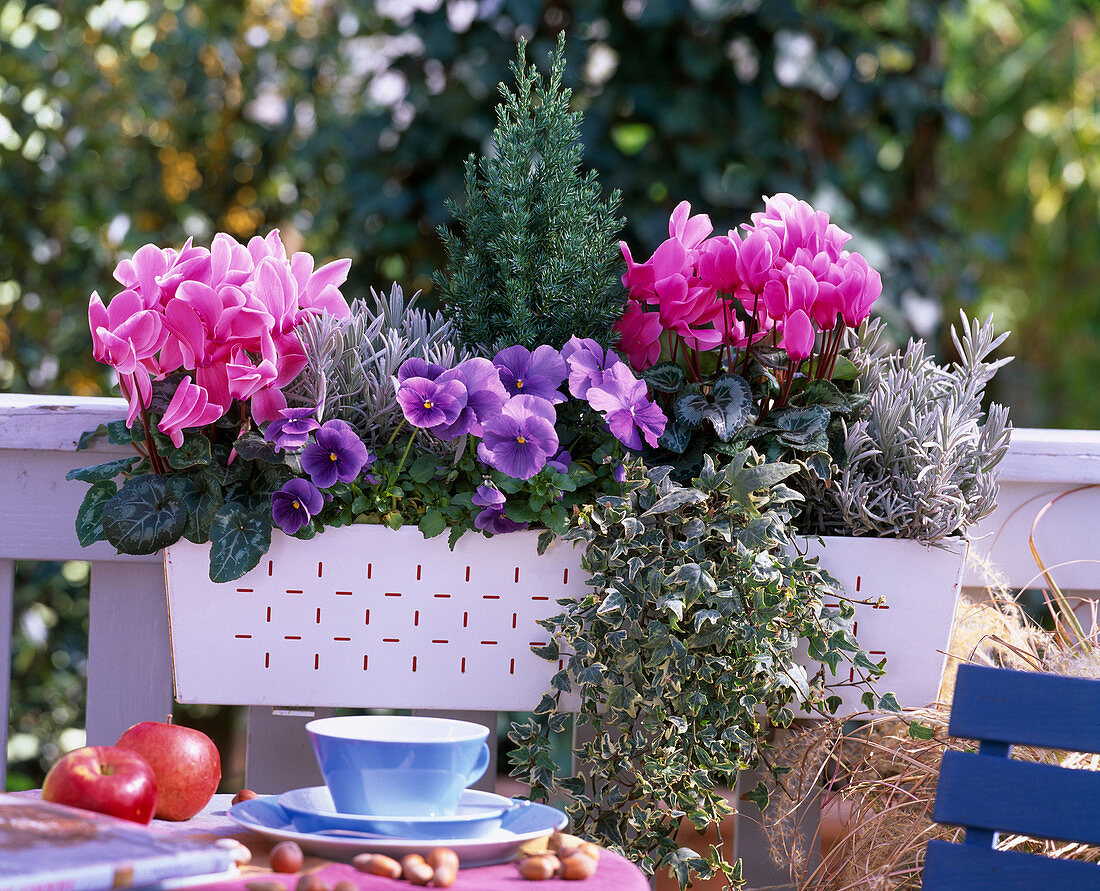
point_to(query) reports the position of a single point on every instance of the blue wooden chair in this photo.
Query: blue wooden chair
(988, 792)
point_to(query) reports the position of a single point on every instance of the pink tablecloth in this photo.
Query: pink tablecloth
(614, 872)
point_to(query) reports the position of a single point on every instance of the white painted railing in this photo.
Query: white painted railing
(129, 668)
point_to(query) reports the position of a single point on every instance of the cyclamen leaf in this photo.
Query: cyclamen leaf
(676, 437)
(143, 517)
(664, 377)
(798, 426)
(194, 451)
(689, 408)
(89, 516)
(251, 446)
(106, 471)
(238, 539)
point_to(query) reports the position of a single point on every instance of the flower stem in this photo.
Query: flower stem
(150, 446)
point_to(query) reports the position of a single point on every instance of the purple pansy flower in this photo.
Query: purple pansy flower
(619, 473)
(485, 395)
(561, 461)
(587, 362)
(520, 439)
(488, 495)
(494, 521)
(626, 407)
(533, 374)
(294, 504)
(336, 453)
(431, 403)
(291, 431)
(417, 367)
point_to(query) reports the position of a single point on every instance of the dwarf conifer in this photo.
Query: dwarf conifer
(534, 257)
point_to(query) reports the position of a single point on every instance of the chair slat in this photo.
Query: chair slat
(949, 867)
(1040, 800)
(1026, 708)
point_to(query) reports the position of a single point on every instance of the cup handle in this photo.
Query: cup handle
(481, 766)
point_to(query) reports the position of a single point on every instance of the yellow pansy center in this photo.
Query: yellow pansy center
(332, 456)
(520, 440)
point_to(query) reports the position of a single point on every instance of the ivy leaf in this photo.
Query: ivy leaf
(238, 540)
(759, 795)
(89, 516)
(889, 702)
(682, 863)
(665, 377)
(106, 471)
(143, 517)
(740, 481)
(920, 731)
(694, 578)
(674, 500)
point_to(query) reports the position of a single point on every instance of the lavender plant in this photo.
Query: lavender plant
(352, 369)
(921, 459)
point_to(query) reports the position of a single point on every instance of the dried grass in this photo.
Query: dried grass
(880, 784)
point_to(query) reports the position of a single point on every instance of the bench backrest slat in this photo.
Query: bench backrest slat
(1026, 708)
(950, 867)
(989, 793)
(1040, 800)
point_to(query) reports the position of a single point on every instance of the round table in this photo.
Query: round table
(614, 872)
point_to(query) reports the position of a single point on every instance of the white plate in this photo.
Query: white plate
(265, 816)
(479, 814)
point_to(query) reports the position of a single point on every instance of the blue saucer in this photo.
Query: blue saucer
(266, 817)
(478, 814)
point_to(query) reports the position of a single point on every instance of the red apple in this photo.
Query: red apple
(106, 779)
(186, 764)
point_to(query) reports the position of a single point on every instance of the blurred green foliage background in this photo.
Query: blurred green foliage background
(959, 141)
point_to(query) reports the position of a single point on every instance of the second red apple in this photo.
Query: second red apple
(186, 764)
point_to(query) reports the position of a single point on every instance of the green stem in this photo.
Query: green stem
(393, 435)
(154, 456)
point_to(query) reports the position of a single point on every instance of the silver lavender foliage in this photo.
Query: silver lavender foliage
(352, 369)
(921, 462)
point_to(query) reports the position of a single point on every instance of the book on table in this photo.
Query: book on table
(50, 847)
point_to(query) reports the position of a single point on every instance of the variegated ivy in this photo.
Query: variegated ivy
(685, 655)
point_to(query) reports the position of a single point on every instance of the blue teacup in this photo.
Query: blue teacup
(398, 766)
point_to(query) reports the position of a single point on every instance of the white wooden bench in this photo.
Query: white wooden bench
(129, 668)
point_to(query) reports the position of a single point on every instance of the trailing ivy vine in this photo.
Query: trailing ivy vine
(684, 654)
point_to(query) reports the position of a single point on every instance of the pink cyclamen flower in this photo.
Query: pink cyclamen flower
(689, 230)
(859, 287)
(757, 257)
(798, 335)
(641, 335)
(717, 262)
(190, 407)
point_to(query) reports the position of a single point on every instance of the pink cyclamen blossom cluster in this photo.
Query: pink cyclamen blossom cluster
(786, 275)
(226, 315)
